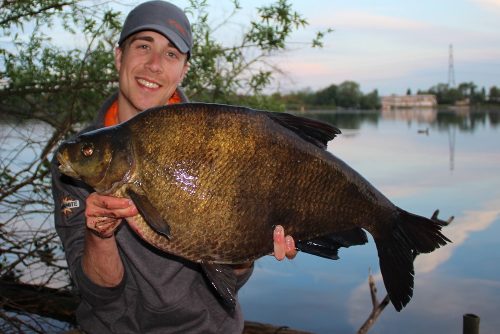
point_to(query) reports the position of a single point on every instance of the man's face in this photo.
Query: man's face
(150, 67)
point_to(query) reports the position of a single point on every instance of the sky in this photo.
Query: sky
(388, 45)
(393, 45)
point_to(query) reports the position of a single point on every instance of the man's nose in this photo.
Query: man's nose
(154, 62)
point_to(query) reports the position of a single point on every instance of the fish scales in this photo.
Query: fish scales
(242, 173)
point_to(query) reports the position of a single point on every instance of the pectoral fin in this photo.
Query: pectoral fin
(223, 279)
(150, 214)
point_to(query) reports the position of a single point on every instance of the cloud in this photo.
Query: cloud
(433, 309)
(361, 19)
(458, 231)
(488, 4)
(303, 68)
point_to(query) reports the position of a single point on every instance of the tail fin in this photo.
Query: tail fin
(411, 235)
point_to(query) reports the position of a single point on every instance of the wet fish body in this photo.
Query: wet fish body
(211, 182)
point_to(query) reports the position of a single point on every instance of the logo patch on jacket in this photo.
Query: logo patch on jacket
(68, 204)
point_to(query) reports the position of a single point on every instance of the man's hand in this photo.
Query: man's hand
(284, 246)
(105, 213)
(101, 260)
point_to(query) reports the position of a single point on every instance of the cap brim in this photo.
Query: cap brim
(172, 36)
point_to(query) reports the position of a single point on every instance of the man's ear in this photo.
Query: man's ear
(118, 58)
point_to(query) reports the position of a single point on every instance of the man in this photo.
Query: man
(126, 285)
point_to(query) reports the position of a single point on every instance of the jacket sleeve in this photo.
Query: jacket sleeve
(69, 216)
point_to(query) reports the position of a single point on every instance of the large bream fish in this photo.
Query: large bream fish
(212, 181)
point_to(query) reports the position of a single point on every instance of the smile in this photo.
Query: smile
(148, 84)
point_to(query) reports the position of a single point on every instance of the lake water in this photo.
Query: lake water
(422, 160)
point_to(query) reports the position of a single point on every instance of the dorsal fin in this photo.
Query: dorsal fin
(316, 132)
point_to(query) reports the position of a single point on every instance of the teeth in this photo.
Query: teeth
(148, 83)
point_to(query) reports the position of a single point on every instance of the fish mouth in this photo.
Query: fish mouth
(65, 166)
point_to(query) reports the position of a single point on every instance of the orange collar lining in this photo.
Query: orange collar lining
(111, 117)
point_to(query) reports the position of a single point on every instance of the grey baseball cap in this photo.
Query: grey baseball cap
(162, 17)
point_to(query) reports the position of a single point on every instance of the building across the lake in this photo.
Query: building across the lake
(409, 101)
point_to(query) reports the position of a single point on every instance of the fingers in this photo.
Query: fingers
(290, 250)
(105, 213)
(279, 242)
(283, 246)
(109, 206)
(103, 227)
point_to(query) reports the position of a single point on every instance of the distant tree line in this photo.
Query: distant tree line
(463, 92)
(348, 95)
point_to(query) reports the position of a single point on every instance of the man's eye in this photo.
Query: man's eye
(139, 46)
(171, 55)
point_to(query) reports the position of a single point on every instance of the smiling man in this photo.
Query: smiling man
(126, 286)
(150, 68)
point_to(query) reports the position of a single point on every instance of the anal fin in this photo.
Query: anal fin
(328, 246)
(223, 279)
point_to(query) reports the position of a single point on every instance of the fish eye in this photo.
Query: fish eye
(87, 150)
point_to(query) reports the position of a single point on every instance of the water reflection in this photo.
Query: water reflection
(420, 115)
(351, 120)
(467, 120)
(453, 167)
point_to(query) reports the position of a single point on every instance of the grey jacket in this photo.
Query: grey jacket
(159, 293)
